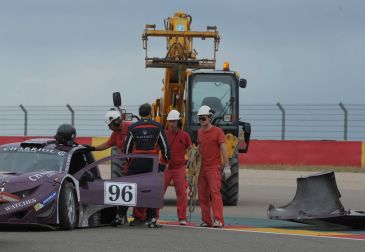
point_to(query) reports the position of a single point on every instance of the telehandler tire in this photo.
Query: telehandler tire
(230, 186)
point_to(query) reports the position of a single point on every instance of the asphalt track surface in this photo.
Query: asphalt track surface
(247, 228)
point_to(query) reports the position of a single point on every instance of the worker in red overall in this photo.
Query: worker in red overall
(212, 147)
(145, 137)
(179, 143)
(119, 131)
(113, 119)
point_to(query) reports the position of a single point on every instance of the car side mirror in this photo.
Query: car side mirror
(117, 100)
(243, 83)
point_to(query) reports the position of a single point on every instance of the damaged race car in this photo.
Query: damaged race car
(46, 184)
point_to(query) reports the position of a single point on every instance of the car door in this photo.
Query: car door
(98, 186)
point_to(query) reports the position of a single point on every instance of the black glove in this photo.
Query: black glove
(161, 167)
(89, 148)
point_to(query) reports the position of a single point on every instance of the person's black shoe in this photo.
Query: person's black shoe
(136, 222)
(124, 219)
(119, 220)
(116, 222)
(153, 224)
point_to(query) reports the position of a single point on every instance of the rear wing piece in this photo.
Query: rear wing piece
(317, 202)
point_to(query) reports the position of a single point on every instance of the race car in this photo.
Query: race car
(47, 184)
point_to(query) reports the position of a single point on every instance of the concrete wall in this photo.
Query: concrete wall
(334, 153)
(271, 152)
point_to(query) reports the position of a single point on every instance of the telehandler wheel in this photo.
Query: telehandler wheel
(230, 186)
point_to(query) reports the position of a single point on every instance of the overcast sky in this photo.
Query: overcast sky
(80, 52)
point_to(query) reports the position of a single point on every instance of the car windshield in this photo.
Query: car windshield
(22, 160)
(216, 91)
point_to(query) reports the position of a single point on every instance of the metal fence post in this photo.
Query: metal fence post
(345, 120)
(282, 120)
(25, 119)
(72, 114)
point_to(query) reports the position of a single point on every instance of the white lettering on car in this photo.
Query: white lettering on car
(33, 150)
(37, 176)
(20, 204)
(61, 153)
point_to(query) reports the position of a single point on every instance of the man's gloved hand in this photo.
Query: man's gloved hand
(89, 147)
(162, 167)
(226, 172)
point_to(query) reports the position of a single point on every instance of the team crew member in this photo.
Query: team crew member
(212, 147)
(179, 143)
(145, 137)
(119, 132)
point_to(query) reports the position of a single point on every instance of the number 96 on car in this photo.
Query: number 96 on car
(120, 193)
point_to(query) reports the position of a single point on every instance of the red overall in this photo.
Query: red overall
(118, 138)
(179, 143)
(210, 180)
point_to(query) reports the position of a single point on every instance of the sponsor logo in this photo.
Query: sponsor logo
(50, 198)
(37, 176)
(144, 132)
(1, 189)
(45, 202)
(38, 206)
(145, 137)
(34, 150)
(20, 204)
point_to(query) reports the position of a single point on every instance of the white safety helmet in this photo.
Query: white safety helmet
(110, 116)
(205, 110)
(173, 115)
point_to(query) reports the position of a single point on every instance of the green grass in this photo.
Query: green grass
(318, 168)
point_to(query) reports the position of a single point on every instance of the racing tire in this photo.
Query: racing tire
(230, 187)
(68, 207)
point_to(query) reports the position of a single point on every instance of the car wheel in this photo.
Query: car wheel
(68, 207)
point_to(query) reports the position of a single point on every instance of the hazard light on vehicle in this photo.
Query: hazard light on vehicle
(226, 66)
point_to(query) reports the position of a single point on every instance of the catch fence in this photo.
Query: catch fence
(268, 121)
